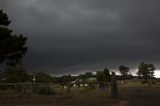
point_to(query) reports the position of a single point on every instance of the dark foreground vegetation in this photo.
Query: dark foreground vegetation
(128, 96)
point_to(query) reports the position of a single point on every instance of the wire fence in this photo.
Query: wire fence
(138, 83)
(52, 88)
(120, 84)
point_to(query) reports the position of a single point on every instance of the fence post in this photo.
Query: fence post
(69, 88)
(114, 92)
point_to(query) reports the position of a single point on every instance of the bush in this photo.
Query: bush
(92, 86)
(45, 90)
(19, 88)
(145, 82)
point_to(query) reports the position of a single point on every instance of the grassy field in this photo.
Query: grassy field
(129, 95)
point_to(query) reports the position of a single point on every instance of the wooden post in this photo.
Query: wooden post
(114, 92)
(69, 88)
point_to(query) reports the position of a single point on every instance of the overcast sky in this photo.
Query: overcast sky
(74, 36)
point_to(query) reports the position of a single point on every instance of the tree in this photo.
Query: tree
(12, 46)
(81, 78)
(65, 79)
(146, 70)
(16, 74)
(100, 77)
(103, 76)
(41, 77)
(123, 70)
(85, 77)
(107, 74)
(88, 74)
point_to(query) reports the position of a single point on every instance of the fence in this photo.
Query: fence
(113, 88)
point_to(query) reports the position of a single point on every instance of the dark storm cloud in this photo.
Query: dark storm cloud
(84, 35)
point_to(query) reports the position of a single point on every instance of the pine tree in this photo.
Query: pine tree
(12, 46)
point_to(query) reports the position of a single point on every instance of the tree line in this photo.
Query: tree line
(18, 74)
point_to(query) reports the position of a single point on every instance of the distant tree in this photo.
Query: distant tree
(82, 77)
(16, 74)
(41, 77)
(103, 76)
(12, 46)
(100, 77)
(88, 74)
(66, 79)
(130, 76)
(107, 74)
(146, 70)
(139, 74)
(124, 71)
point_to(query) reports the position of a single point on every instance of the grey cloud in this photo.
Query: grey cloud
(76, 35)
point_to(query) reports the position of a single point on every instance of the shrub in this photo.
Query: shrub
(45, 90)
